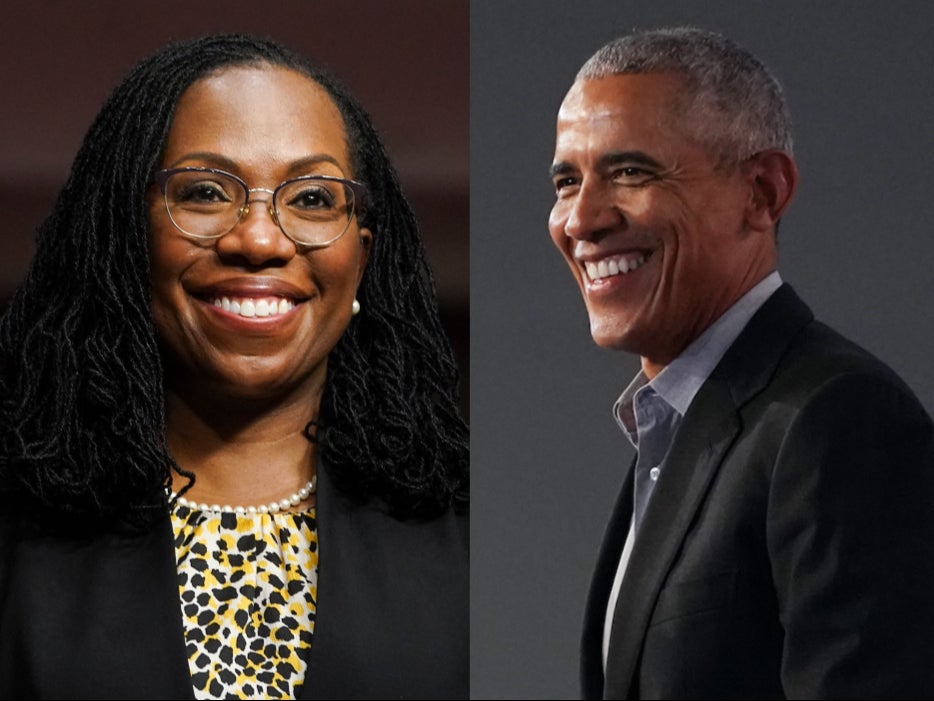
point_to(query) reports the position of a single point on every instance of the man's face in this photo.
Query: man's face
(654, 232)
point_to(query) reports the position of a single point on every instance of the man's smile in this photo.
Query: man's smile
(616, 264)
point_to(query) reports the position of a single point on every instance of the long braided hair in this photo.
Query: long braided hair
(82, 424)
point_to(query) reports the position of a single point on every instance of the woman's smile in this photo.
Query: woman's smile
(250, 311)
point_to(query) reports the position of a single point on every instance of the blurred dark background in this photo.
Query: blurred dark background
(406, 61)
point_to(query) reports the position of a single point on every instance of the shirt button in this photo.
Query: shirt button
(653, 473)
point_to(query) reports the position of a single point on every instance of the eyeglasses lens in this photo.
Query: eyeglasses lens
(314, 210)
(310, 210)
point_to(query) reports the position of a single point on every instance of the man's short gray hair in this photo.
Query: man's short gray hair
(734, 105)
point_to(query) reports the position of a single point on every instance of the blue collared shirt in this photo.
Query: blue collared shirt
(650, 412)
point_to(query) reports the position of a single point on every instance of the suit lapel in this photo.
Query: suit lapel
(99, 616)
(707, 432)
(339, 636)
(320, 679)
(595, 611)
(392, 612)
(692, 462)
(157, 628)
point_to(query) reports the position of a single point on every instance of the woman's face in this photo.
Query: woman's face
(265, 125)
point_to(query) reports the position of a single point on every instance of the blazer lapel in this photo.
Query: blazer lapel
(707, 432)
(392, 614)
(321, 679)
(692, 462)
(339, 639)
(99, 616)
(158, 636)
(595, 611)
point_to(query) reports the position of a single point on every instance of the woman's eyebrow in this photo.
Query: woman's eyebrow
(217, 160)
(303, 164)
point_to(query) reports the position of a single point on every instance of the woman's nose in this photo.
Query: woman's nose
(257, 237)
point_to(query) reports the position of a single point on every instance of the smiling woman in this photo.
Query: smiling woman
(306, 259)
(231, 458)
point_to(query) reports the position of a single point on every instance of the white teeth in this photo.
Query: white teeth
(249, 307)
(615, 265)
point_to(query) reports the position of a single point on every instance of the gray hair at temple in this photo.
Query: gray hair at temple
(734, 104)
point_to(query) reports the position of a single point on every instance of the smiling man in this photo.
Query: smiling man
(775, 534)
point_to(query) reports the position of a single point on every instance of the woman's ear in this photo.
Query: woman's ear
(774, 179)
(366, 242)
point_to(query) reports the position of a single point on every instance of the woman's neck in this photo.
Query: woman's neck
(240, 452)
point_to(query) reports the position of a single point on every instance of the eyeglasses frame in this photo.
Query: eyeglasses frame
(360, 197)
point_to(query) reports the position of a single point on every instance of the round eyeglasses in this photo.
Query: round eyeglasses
(313, 210)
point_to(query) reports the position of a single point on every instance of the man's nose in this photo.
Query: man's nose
(592, 210)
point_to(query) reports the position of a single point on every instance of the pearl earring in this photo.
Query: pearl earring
(356, 307)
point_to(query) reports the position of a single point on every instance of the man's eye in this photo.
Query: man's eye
(562, 184)
(632, 175)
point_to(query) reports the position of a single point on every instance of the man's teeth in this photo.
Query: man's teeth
(614, 266)
(250, 307)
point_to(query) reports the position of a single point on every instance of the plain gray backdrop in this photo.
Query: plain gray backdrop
(857, 244)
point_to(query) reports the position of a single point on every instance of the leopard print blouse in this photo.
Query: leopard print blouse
(248, 587)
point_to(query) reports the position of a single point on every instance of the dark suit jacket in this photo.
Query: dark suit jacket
(788, 548)
(100, 618)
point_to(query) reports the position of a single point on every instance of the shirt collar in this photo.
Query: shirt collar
(680, 380)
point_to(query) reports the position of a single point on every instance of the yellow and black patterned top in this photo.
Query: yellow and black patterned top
(248, 587)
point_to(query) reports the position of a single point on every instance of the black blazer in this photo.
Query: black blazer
(100, 618)
(788, 548)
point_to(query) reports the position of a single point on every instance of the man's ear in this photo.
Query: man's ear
(773, 176)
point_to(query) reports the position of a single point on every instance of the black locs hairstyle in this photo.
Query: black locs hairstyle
(81, 385)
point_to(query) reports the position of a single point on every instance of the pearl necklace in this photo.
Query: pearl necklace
(272, 507)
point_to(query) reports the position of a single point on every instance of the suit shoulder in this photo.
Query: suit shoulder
(819, 359)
